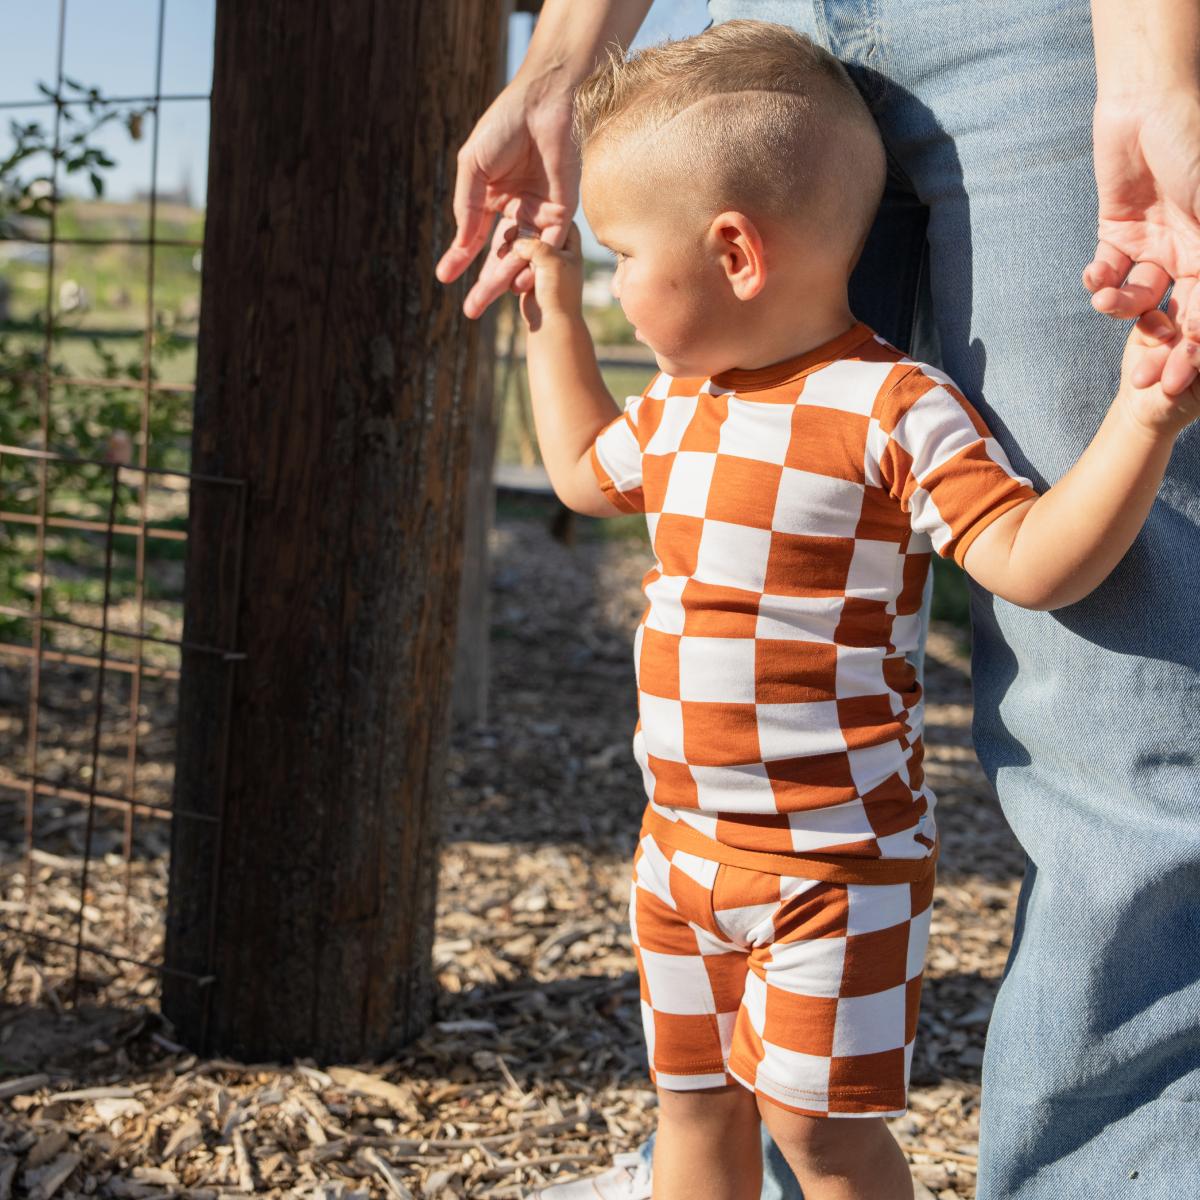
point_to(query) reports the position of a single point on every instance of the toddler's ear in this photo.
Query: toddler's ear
(738, 243)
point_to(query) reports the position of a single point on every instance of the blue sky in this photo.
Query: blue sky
(111, 44)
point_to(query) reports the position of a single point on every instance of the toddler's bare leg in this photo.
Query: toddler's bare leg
(708, 1145)
(835, 1158)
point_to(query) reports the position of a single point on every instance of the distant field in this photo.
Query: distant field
(99, 300)
(104, 330)
(622, 382)
(112, 277)
(627, 381)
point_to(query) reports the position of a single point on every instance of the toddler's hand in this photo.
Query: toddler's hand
(557, 278)
(1151, 340)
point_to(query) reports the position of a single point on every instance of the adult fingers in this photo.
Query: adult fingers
(471, 218)
(1183, 364)
(530, 215)
(533, 212)
(499, 270)
(1108, 269)
(1142, 290)
(494, 280)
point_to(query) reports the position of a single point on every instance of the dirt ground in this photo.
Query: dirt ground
(535, 1068)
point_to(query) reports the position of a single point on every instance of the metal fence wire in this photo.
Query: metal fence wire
(93, 668)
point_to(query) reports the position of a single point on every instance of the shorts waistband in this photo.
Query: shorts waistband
(828, 868)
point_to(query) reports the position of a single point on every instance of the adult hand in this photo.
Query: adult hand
(520, 161)
(1148, 176)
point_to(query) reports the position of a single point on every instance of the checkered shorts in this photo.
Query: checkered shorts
(805, 992)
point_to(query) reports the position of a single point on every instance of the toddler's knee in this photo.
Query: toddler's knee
(825, 1145)
(699, 1101)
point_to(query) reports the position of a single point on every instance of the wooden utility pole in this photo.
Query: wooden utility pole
(338, 379)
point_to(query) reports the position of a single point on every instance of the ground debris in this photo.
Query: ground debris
(533, 1068)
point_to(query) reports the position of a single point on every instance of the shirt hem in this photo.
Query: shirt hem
(968, 538)
(612, 493)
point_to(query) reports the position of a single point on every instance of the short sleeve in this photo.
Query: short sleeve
(617, 460)
(937, 457)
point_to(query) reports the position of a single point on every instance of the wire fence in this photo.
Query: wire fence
(92, 510)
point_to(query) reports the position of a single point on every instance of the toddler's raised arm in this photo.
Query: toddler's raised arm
(571, 405)
(1053, 551)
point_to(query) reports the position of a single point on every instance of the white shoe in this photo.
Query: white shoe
(629, 1178)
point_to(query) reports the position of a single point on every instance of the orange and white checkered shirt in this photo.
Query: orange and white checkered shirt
(793, 511)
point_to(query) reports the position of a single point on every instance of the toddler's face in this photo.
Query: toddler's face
(671, 289)
(710, 289)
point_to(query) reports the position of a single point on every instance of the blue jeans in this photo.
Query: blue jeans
(1093, 1057)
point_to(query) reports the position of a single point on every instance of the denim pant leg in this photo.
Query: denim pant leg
(1087, 719)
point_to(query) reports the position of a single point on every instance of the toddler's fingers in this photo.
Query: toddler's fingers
(1149, 367)
(555, 235)
(531, 248)
(1154, 333)
(1155, 327)
(538, 251)
(1184, 361)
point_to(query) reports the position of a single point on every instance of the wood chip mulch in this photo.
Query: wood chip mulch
(534, 1067)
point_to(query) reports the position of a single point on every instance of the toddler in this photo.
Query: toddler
(796, 473)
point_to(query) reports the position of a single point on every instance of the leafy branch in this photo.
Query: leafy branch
(82, 113)
(83, 420)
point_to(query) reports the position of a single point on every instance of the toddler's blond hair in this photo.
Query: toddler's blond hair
(755, 117)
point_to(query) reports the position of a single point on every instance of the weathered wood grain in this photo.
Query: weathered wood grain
(338, 378)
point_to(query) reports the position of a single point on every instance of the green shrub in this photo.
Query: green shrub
(951, 595)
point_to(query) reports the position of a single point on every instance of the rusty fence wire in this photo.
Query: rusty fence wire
(89, 670)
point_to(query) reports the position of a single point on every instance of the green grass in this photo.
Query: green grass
(524, 506)
(622, 382)
(610, 326)
(951, 597)
(625, 528)
(512, 506)
(115, 277)
(88, 357)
